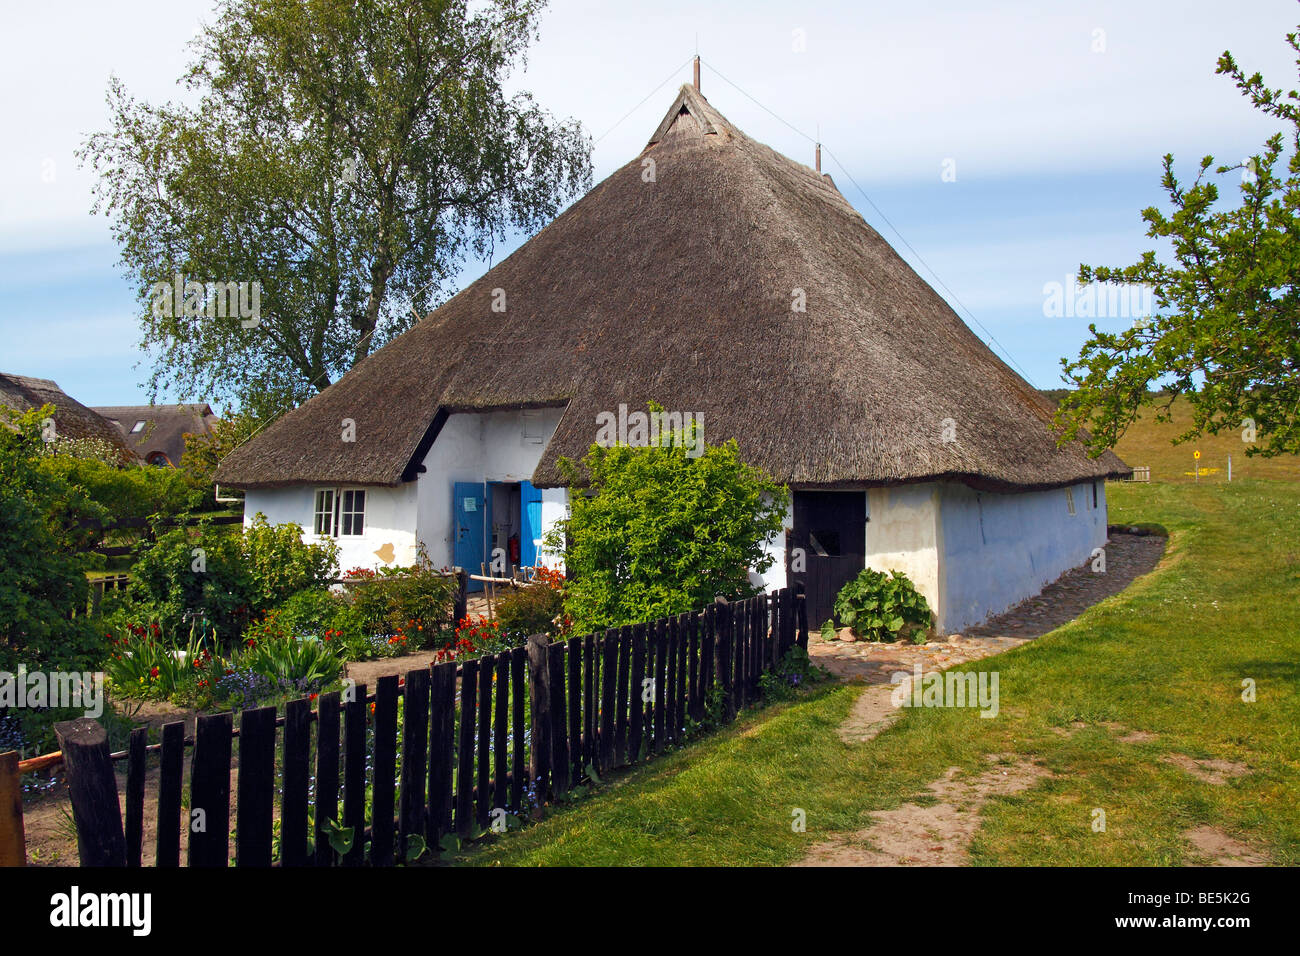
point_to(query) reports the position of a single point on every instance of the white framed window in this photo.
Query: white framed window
(352, 512)
(1069, 500)
(137, 427)
(339, 512)
(323, 519)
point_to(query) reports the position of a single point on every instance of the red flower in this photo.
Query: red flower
(153, 672)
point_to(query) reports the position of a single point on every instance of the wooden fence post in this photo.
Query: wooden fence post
(93, 789)
(13, 844)
(461, 608)
(539, 694)
(723, 673)
(801, 615)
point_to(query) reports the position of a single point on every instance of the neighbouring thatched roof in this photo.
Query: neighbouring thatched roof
(679, 290)
(71, 418)
(164, 427)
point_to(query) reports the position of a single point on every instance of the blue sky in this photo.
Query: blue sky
(1056, 144)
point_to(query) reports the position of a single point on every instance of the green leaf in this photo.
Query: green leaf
(415, 847)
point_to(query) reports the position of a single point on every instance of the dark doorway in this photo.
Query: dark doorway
(830, 530)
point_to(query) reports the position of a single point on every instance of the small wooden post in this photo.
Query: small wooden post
(13, 843)
(724, 665)
(539, 693)
(801, 615)
(461, 609)
(93, 789)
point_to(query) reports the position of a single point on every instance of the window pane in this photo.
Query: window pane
(324, 517)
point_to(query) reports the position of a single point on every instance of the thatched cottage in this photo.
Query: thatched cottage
(70, 420)
(716, 277)
(157, 432)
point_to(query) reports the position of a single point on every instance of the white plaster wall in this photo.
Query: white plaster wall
(476, 447)
(389, 520)
(555, 508)
(998, 549)
(774, 578)
(903, 535)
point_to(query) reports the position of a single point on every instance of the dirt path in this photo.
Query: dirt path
(937, 831)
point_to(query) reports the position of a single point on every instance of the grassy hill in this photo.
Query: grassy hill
(1150, 443)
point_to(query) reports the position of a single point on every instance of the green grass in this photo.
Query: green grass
(1167, 656)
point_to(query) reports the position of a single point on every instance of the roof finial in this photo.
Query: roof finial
(697, 73)
(819, 147)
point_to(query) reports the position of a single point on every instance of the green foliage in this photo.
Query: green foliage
(660, 532)
(883, 607)
(279, 563)
(227, 577)
(347, 156)
(204, 452)
(144, 661)
(1225, 333)
(415, 602)
(41, 582)
(133, 491)
(306, 661)
(793, 673)
(531, 610)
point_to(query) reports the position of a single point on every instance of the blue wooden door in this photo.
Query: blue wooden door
(467, 508)
(530, 523)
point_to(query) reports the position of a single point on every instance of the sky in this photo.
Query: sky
(996, 146)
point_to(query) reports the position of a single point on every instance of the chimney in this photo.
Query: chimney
(819, 157)
(697, 73)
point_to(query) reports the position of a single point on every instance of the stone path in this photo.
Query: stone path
(1128, 556)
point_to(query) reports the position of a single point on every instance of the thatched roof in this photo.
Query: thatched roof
(71, 418)
(164, 427)
(680, 291)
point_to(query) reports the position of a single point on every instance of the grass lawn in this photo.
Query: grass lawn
(1167, 656)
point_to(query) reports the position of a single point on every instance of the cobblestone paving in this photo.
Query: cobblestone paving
(1128, 556)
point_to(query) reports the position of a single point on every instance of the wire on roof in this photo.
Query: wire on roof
(928, 268)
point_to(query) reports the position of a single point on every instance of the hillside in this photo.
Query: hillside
(1150, 443)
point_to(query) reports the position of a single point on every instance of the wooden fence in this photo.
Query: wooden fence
(478, 739)
(146, 529)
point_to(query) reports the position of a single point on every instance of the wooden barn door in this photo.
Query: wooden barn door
(830, 528)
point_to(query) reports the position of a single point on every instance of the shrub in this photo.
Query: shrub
(144, 662)
(280, 564)
(660, 532)
(41, 581)
(225, 575)
(530, 610)
(133, 491)
(882, 607)
(415, 602)
(306, 663)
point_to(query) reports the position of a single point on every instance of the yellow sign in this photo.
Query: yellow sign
(1196, 455)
